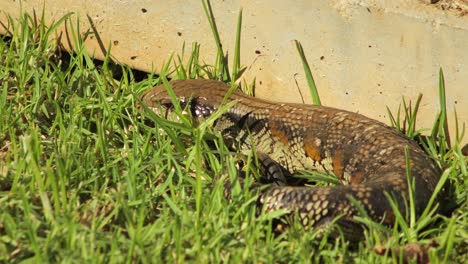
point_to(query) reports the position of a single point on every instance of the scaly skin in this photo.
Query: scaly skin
(367, 156)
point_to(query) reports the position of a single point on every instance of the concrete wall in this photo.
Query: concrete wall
(365, 55)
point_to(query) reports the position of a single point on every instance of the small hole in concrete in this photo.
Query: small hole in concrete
(144, 10)
(179, 34)
(116, 42)
(322, 57)
(370, 46)
(133, 57)
(346, 93)
(257, 52)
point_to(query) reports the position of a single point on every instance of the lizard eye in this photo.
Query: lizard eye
(166, 103)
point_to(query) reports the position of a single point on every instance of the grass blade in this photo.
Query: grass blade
(308, 74)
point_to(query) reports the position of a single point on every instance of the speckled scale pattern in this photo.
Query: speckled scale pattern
(367, 156)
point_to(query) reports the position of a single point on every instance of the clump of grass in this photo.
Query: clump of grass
(86, 176)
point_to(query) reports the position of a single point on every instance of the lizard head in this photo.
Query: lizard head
(200, 97)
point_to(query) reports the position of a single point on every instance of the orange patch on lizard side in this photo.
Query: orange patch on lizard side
(279, 134)
(356, 178)
(338, 164)
(313, 152)
(312, 148)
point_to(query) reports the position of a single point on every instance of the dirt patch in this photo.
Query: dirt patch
(458, 6)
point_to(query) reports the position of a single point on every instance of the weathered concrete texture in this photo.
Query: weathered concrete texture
(364, 54)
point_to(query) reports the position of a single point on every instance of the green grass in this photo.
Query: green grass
(85, 176)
